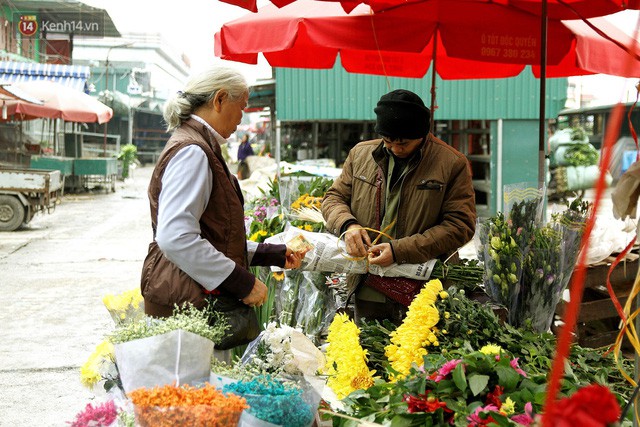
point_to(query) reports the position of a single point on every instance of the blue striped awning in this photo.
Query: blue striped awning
(74, 76)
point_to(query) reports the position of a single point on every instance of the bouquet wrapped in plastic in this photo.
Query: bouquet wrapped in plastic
(548, 266)
(502, 243)
(176, 350)
(304, 301)
(169, 405)
(289, 402)
(527, 264)
(283, 350)
(125, 307)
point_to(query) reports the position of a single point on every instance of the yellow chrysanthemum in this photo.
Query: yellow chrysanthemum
(279, 276)
(308, 227)
(491, 349)
(89, 375)
(508, 407)
(346, 360)
(90, 371)
(417, 330)
(122, 301)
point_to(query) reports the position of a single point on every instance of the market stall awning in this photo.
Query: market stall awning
(74, 76)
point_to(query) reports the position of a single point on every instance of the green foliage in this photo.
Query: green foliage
(579, 134)
(467, 274)
(581, 155)
(317, 187)
(205, 323)
(419, 399)
(470, 325)
(128, 155)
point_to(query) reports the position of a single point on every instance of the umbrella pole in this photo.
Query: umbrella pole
(433, 78)
(543, 94)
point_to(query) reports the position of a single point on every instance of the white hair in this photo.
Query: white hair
(201, 89)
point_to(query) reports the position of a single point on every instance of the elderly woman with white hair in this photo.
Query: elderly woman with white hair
(200, 252)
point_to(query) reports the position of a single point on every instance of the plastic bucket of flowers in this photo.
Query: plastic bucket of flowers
(170, 406)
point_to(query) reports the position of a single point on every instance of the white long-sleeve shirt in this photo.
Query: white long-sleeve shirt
(186, 186)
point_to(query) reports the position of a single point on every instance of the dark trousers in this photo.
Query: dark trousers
(369, 310)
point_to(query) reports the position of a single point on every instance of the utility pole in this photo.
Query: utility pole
(106, 89)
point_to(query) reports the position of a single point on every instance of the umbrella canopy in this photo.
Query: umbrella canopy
(404, 41)
(10, 92)
(58, 102)
(556, 9)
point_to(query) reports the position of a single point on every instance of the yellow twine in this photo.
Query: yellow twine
(630, 331)
(380, 234)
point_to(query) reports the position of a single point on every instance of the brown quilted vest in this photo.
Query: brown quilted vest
(222, 224)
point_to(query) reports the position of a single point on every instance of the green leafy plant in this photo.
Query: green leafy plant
(581, 155)
(452, 391)
(466, 325)
(128, 155)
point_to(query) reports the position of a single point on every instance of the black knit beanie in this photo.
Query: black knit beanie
(402, 114)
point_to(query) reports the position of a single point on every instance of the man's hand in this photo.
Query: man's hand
(381, 255)
(357, 241)
(257, 296)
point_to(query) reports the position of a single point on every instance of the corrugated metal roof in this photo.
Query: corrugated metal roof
(334, 94)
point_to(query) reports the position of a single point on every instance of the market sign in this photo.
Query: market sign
(91, 23)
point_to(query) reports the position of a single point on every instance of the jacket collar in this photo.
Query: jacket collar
(381, 156)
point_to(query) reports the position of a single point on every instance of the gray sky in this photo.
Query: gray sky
(187, 25)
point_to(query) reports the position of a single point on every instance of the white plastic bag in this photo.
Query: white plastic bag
(177, 357)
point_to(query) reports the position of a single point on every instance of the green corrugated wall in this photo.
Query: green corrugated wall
(303, 95)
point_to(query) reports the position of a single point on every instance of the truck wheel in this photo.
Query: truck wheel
(11, 213)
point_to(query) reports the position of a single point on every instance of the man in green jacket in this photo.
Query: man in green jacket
(410, 184)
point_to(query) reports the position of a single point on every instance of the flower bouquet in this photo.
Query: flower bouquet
(169, 406)
(97, 415)
(548, 266)
(291, 403)
(100, 366)
(527, 264)
(125, 307)
(283, 350)
(177, 349)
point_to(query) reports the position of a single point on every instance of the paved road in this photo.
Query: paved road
(53, 274)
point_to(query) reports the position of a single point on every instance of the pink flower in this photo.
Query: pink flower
(446, 369)
(96, 416)
(516, 367)
(475, 420)
(525, 419)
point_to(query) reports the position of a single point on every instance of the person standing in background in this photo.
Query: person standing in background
(244, 151)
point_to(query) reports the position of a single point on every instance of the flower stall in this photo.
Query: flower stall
(452, 361)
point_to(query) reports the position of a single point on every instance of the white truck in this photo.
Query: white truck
(24, 192)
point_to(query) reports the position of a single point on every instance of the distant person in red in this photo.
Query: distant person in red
(244, 151)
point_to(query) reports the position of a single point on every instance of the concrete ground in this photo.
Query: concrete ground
(54, 273)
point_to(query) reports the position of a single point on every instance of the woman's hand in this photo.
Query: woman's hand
(381, 255)
(294, 258)
(258, 294)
